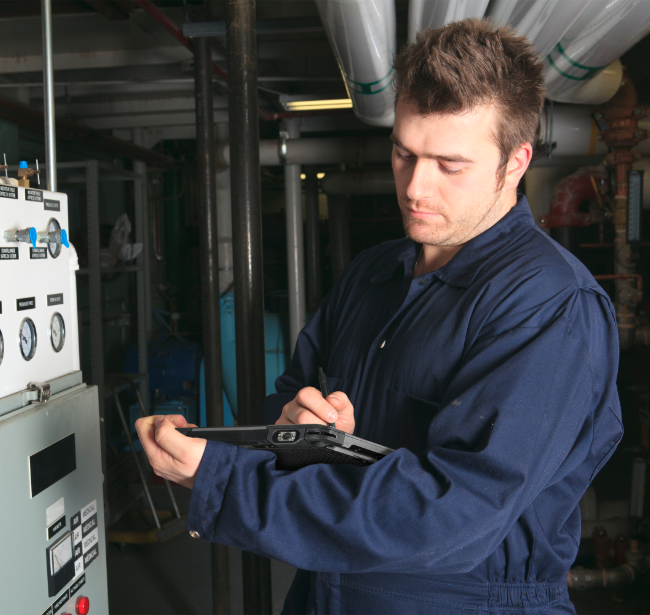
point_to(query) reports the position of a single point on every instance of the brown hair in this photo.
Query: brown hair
(475, 62)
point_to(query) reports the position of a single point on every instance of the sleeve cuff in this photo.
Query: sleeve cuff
(209, 488)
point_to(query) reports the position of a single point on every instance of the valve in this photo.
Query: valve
(24, 173)
(59, 236)
(26, 235)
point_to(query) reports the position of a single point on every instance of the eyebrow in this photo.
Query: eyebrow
(443, 157)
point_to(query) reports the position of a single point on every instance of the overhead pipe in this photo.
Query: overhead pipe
(363, 37)
(599, 36)
(330, 150)
(48, 96)
(425, 14)
(247, 255)
(295, 244)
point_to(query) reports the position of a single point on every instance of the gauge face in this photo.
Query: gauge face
(27, 339)
(2, 347)
(60, 554)
(57, 332)
(54, 248)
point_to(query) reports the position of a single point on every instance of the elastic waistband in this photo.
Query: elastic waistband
(515, 597)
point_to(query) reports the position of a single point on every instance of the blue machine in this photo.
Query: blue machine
(177, 369)
(276, 357)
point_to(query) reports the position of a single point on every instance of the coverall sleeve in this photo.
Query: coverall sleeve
(527, 407)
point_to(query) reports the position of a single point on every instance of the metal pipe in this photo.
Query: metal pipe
(224, 218)
(352, 150)
(295, 243)
(339, 224)
(210, 284)
(48, 96)
(312, 243)
(247, 254)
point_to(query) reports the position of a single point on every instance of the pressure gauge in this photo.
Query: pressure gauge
(60, 554)
(54, 247)
(2, 347)
(27, 339)
(57, 332)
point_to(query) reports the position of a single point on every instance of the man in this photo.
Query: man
(480, 350)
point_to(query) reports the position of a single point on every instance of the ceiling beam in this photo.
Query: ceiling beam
(109, 9)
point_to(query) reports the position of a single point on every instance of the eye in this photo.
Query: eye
(402, 153)
(449, 171)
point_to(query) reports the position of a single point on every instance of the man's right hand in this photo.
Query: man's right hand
(309, 408)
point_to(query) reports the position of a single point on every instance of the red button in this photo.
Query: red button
(83, 605)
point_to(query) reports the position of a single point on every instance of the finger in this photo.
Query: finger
(311, 399)
(175, 443)
(341, 403)
(178, 420)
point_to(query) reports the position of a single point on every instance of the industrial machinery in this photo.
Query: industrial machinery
(53, 556)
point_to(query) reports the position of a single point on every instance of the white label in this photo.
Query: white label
(54, 512)
(88, 511)
(76, 536)
(78, 567)
(90, 541)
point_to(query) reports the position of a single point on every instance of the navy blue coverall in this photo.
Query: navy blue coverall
(494, 378)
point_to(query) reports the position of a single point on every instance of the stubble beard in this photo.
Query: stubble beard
(443, 232)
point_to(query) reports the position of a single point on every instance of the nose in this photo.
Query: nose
(421, 183)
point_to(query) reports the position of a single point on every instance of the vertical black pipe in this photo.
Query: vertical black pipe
(339, 224)
(247, 254)
(210, 283)
(312, 239)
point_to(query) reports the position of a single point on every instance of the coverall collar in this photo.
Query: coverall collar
(466, 264)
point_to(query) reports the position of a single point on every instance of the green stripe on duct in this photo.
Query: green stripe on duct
(374, 87)
(569, 68)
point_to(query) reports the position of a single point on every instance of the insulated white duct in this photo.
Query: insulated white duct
(436, 13)
(544, 22)
(362, 36)
(598, 37)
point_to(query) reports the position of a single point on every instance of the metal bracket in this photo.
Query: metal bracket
(282, 146)
(42, 389)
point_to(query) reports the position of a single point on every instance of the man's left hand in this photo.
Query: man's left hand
(171, 454)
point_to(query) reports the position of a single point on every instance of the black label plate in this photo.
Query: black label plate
(28, 303)
(33, 195)
(89, 526)
(91, 556)
(61, 600)
(77, 585)
(55, 528)
(37, 253)
(8, 254)
(48, 611)
(9, 192)
(75, 521)
(51, 205)
(55, 299)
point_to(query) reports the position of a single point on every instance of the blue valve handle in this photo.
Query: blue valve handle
(64, 238)
(33, 236)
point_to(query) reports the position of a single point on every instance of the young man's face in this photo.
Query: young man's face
(445, 170)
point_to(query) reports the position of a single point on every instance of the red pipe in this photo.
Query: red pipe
(567, 197)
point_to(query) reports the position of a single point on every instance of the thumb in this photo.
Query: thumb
(341, 403)
(175, 443)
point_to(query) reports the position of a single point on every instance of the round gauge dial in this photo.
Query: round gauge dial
(57, 332)
(27, 339)
(52, 227)
(2, 347)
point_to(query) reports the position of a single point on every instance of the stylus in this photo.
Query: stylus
(322, 380)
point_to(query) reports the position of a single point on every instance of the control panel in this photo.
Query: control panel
(52, 532)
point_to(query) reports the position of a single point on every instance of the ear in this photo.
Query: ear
(517, 166)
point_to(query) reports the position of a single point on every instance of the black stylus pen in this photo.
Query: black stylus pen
(322, 380)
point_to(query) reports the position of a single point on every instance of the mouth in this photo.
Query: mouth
(421, 215)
